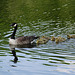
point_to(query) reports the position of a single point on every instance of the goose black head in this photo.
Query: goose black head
(14, 24)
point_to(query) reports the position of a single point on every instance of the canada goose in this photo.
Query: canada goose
(70, 36)
(20, 40)
(42, 40)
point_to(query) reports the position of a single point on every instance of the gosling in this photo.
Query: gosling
(43, 40)
(70, 36)
(59, 39)
(52, 38)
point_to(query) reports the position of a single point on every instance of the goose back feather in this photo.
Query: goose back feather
(26, 39)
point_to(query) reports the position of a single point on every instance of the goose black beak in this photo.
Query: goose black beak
(10, 25)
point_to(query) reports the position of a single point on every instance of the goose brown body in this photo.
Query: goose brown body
(22, 40)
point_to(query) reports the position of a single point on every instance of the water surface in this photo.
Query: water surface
(42, 17)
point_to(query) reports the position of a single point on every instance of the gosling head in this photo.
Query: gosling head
(14, 24)
(68, 36)
(52, 38)
(57, 40)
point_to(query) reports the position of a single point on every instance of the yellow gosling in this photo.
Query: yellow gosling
(57, 40)
(43, 40)
(60, 39)
(46, 37)
(70, 36)
(52, 38)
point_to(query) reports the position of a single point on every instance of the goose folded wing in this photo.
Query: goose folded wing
(26, 39)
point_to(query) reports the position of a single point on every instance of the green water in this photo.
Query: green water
(38, 17)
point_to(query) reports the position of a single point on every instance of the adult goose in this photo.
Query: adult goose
(20, 40)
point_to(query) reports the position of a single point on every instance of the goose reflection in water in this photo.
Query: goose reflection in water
(14, 54)
(12, 48)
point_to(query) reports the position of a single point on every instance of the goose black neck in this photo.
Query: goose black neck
(14, 32)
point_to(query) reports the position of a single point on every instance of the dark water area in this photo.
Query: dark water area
(37, 17)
